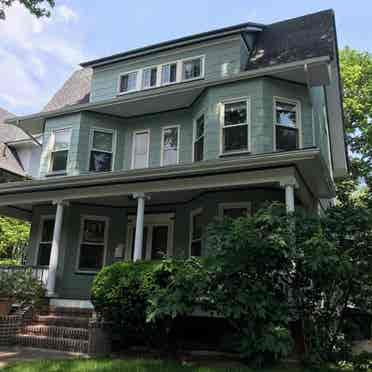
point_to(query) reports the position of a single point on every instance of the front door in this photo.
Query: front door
(157, 236)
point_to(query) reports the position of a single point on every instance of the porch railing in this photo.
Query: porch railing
(40, 273)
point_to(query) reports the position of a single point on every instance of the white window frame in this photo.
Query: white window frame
(39, 236)
(114, 143)
(194, 139)
(157, 77)
(148, 147)
(193, 213)
(105, 242)
(162, 144)
(202, 67)
(222, 125)
(298, 119)
(150, 221)
(177, 63)
(51, 152)
(138, 82)
(234, 205)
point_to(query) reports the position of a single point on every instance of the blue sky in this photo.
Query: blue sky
(36, 56)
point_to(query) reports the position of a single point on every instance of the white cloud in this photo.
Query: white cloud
(36, 55)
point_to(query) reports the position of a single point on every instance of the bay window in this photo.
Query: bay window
(287, 123)
(235, 126)
(102, 150)
(60, 150)
(170, 145)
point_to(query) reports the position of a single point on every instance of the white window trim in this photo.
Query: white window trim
(51, 151)
(193, 213)
(222, 125)
(234, 205)
(148, 147)
(162, 144)
(138, 82)
(105, 242)
(151, 220)
(39, 235)
(194, 139)
(298, 123)
(179, 73)
(114, 144)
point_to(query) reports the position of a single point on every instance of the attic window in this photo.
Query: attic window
(192, 68)
(128, 82)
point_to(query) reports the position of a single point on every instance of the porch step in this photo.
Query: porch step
(62, 321)
(55, 331)
(56, 343)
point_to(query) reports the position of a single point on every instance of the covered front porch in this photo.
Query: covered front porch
(80, 224)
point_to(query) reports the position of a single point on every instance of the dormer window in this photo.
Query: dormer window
(287, 122)
(169, 73)
(128, 82)
(192, 68)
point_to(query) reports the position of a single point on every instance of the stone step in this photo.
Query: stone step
(55, 331)
(62, 321)
(56, 343)
(68, 311)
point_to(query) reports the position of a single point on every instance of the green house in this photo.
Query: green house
(168, 137)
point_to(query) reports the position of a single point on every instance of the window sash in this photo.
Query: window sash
(283, 147)
(196, 232)
(171, 150)
(128, 82)
(44, 243)
(169, 73)
(58, 148)
(141, 157)
(294, 110)
(97, 150)
(149, 77)
(194, 68)
(244, 145)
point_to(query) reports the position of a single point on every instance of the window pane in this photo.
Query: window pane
(59, 160)
(235, 212)
(286, 114)
(62, 139)
(91, 257)
(141, 143)
(128, 82)
(144, 243)
(149, 77)
(47, 231)
(140, 161)
(235, 113)
(44, 254)
(200, 126)
(197, 226)
(236, 138)
(169, 73)
(170, 143)
(159, 242)
(102, 141)
(196, 248)
(100, 161)
(286, 138)
(192, 68)
(199, 149)
(94, 231)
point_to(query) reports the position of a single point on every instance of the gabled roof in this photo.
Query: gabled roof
(75, 90)
(309, 36)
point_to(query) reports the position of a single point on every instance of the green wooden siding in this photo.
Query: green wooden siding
(222, 59)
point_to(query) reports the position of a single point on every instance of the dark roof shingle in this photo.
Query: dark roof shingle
(309, 36)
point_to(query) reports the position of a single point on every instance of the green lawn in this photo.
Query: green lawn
(127, 366)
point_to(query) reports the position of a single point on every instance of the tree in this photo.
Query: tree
(356, 73)
(39, 8)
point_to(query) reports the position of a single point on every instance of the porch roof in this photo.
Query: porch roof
(304, 167)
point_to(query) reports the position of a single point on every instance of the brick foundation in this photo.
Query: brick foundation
(99, 343)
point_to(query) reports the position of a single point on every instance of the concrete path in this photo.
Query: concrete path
(13, 354)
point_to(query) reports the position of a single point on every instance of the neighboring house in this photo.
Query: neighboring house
(160, 140)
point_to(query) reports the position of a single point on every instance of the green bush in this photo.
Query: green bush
(22, 287)
(362, 362)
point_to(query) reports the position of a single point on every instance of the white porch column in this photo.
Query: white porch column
(54, 253)
(289, 198)
(138, 239)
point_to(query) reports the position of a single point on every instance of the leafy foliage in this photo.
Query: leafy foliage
(39, 8)
(356, 73)
(21, 286)
(14, 235)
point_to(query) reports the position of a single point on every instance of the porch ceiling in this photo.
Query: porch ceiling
(175, 184)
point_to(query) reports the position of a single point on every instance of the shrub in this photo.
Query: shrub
(22, 287)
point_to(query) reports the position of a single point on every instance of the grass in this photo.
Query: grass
(129, 366)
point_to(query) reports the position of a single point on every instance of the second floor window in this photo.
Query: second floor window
(286, 125)
(199, 138)
(170, 145)
(140, 152)
(128, 82)
(235, 129)
(101, 153)
(169, 73)
(61, 146)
